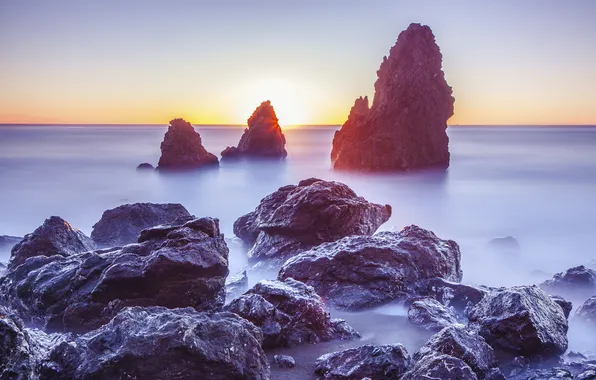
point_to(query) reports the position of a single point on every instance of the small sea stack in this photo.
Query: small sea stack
(405, 127)
(263, 138)
(182, 148)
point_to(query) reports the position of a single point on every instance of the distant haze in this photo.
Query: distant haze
(213, 62)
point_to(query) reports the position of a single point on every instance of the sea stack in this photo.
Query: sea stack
(263, 137)
(405, 128)
(182, 148)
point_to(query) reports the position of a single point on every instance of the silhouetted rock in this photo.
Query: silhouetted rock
(457, 297)
(160, 343)
(182, 148)
(296, 218)
(145, 166)
(172, 266)
(7, 242)
(507, 244)
(54, 237)
(522, 320)
(565, 305)
(262, 138)
(289, 313)
(359, 272)
(376, 362)
(122, 225)
(444, 367)
(236, 285)
(429, 314)
(284, 361)
(459, 342)
(587, 311)
(575, 283)
(405, 127)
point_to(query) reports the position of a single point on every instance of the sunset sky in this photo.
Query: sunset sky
(213, 62)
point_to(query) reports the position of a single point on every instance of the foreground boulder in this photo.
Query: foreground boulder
(521, 320)
(172, 266)
(444, 367)
(429, 314)
(459, 342)
(262, 138)
(289, 313)
(405, 127)
(376, 362)
(296, 218)
(17, 359)
(359, 272)
(54, 237)
(121, 225)
(575, 283)
(587, 311)
(160, 343)
(182, 148)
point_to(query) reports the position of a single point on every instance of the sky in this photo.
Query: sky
(212, 62)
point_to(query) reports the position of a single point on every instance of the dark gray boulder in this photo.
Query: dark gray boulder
(587, 311)
(54, 237)
(376, 362)
(521, 320)
(458, 341)
(429, 314)
(443, 367)
(457, 297)
(159, 343)
(289, 313)
(122, 225)
(575, 283)
(359, 272)
(567, 306)
(7, 242)
(173, 266)
(296, 218)
(284, 361)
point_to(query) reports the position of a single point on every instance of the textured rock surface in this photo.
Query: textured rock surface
(406, 125)
(575, 283)
(182, 148)
(54, 237)
(376, 362)
(459, 342)
(296, 218)
(430, 314)
(122, 225)
(236, 285)
(457, 297)
(284, 361)
(289, 313)
(262, 138)
(360, 272)
(443, 367)
(16, 356)
(172, 266)
(565, 305)
(521, 320)
(160, 343)
(587, 311)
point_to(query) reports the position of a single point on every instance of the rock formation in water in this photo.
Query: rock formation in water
(430, 314)
(54, 237)
(145, 166)
(182, 148)
(405, 128)
(440, 366)
(577, 283)
(173, 266)
(263, 137)
(587, 311)
(121, 225)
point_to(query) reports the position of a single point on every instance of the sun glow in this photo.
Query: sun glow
(288, 100)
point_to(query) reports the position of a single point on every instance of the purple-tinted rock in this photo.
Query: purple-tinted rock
(587, 311)
(359, 272)
(182, 148)
(565, 305)
(443, 367)
(122, 225)
(54, 237)
(262, 138)
(429, 314)
(457, 297)
(236, 285)
(507, 245)
(575, 283)
(284, 361)
(405, 127)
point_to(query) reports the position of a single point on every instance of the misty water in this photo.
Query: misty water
(537, 184)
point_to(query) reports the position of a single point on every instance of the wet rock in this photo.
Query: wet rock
(460, 342)
(444, 367)
(236, 285)
(262, 138)
(565, 305)
(122, 225)
(429, 314)
(7, 242)
(16, 357)
(160, 343)
(405, 127)
(172, 266)
(587, 311)
(284, 361)
(182, 148)
(507, 245)
(54, 237)
(289, 313)
(457, 297)
(145, 166)
(575, 283)
(376, 362)
(296, 218)
(359, 272)
(521, 320)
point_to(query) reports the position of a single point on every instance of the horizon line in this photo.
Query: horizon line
(286, 125)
